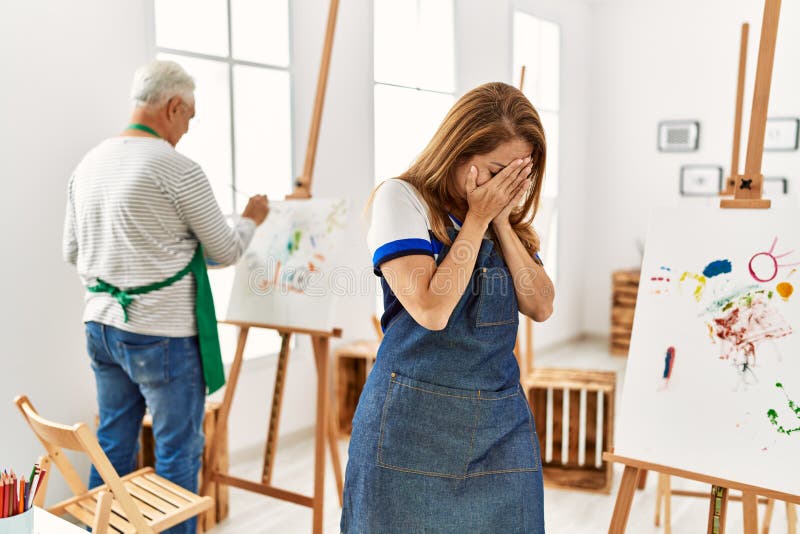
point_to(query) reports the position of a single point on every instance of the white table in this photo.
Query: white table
(38, 521)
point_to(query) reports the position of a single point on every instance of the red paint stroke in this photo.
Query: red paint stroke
(775, 265)
(744, 327)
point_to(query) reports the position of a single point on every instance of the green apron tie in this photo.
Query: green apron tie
(207, 334)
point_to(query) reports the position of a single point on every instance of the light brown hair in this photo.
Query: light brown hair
(481, 120)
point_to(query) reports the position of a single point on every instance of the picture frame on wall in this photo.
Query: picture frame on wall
(775, 186)
(678, 136)
(782, 134)
(701, 180)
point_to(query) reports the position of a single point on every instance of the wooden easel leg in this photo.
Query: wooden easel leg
(622, 508)
(768, 516)
(224, 410)
(275, 412)
(659, 498)
(750, 509)
(320, 345)
(718, 506)
(667, 504)
(791, 517)
(335, 460)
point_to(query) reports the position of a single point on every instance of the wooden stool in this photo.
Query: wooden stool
(352, 363)
(574, 414)
(219, 493)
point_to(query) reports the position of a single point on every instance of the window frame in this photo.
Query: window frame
(231, 62)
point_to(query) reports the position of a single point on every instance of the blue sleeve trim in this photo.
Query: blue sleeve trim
(399, 248)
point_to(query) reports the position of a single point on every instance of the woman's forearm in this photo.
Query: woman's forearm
(453, 275)
(533, 287)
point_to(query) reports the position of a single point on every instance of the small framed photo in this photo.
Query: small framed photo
(701, 180)
(774, 187)
(678, 136)
(783, 134)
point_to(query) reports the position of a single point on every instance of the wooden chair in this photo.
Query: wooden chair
(143, 502)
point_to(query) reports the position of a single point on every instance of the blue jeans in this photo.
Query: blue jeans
(165, 375)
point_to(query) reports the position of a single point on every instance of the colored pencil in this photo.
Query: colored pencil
(2, 495)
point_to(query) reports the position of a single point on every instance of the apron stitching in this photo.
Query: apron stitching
(456, 396)
(474, 431)
(459, 477)
(383, 421)
(530, 427)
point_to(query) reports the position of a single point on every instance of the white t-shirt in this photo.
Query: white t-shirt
(400, 224)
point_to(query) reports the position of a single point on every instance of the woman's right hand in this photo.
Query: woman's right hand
(489, 199)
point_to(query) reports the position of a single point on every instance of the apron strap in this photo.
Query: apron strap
(125, 296)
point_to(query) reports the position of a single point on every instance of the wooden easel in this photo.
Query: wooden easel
(324, 430)
(734, 177)
(747, 195)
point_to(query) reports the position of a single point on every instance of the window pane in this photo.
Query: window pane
(261, 31)
(263, 133)
(192, 25)
(208, 141)
(550, 123)
(537, 46)
(414, 43)
(405, 121)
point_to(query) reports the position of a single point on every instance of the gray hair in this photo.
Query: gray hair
(158, 81)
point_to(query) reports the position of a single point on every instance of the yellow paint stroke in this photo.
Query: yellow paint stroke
(785, 290)
(701, 283)
(711, 332)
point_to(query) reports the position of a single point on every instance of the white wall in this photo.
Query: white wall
(484, 51)
(66, 72)
(653, 61)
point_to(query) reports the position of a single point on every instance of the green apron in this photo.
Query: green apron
(207, 334)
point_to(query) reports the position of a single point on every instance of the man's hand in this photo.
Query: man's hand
(257, 209)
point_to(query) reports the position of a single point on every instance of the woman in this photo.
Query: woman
(443, 439)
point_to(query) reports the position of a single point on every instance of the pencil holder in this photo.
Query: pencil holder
(18, 524)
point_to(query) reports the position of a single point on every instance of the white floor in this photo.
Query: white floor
(565, 511)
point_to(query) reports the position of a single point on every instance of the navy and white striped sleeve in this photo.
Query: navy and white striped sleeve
(399, 225)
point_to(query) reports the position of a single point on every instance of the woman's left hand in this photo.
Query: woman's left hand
(503, 217)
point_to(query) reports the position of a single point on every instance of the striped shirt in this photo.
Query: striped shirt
(136, 210)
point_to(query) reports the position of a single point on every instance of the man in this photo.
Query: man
(141, 219)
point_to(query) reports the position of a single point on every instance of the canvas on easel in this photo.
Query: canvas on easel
(713, 378)
(285, 277)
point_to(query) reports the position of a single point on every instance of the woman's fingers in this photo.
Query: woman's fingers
(503, 178)
(472, 179)
(523, 174)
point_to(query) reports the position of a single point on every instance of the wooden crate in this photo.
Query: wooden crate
(625, 287)
(574, 414)
(351, 365)
(219, 493)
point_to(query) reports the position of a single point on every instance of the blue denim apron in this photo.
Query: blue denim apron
(443, 438)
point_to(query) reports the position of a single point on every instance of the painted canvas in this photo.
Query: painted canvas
(713, 377)
(285, 277)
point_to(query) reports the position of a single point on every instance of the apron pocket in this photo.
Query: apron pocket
(147, 365)
(427, 429)
(505, 441)
(497, 301)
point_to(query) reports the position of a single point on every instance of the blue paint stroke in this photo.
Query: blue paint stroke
(716, 268)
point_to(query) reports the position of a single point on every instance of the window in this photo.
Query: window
(537, 46)
(414, 81)
(237, 51)
(414, 78)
